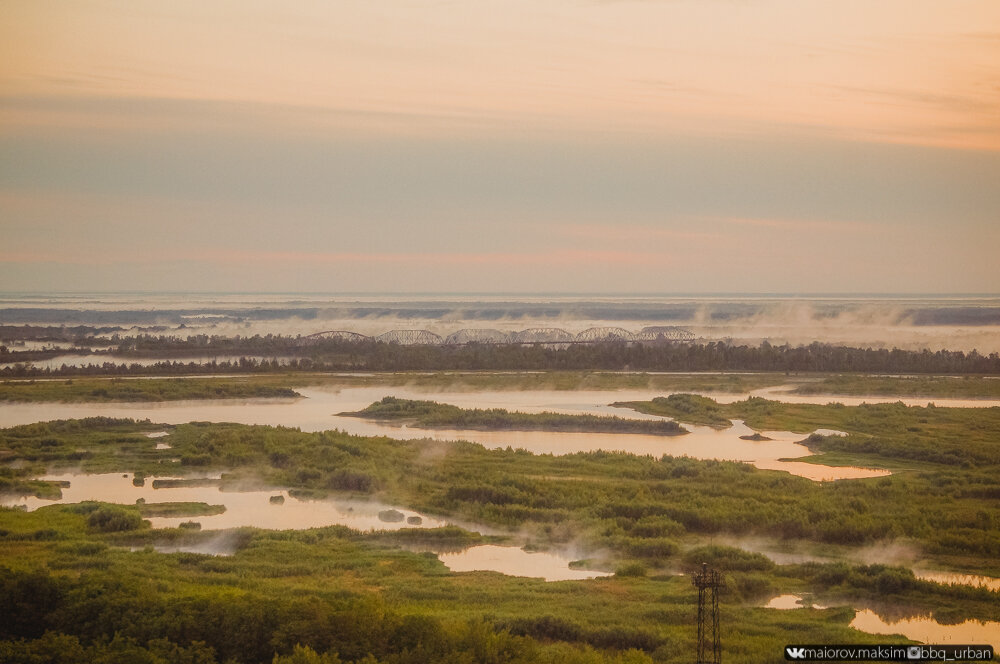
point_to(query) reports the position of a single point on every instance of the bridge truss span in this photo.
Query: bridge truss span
(410, 338)
(545, 335)
(534, 336)
(598, 334)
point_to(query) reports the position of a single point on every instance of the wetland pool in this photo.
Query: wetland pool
(243, 508)
(260, 508)
(924, 629)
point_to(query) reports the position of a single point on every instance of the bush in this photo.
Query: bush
(631, 570)
(113, 519)
(345, 480)
(196, 459)
(726, 558)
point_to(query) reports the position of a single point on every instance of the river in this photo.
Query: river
(317, 412)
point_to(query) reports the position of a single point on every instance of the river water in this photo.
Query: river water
(77, 360)
(318, 412)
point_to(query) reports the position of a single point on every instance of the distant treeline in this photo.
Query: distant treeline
(53, 333)
(370, 355)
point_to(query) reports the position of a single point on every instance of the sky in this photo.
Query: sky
(615, 146)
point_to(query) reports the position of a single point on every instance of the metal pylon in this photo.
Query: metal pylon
(708, 583)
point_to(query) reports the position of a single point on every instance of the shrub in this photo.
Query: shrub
(631, 570)
(113, 519)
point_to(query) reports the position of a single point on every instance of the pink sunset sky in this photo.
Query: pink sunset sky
(542, 145)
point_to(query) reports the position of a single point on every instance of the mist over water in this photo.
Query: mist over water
(909, 322)
(318, 412)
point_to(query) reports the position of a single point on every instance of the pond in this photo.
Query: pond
(243, 508)
(928, 630)
(956, 579)
(263, 508)
(517, 562)
(886, 552)
(786, 602)
(923, 629)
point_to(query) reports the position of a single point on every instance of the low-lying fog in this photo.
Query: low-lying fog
(955, 323)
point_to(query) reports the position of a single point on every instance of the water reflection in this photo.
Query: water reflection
(881, 553)
(786, 602)
(954, 579)
(928, 630)
(316, 413)
(922, 629)
(516, 562)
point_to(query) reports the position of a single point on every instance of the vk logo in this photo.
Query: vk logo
(796, 653)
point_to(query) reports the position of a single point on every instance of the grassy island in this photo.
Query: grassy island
(430, 414)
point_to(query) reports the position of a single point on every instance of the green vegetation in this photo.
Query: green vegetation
(110, 518)
(893, 434)
(79, 596)
(941, 497)
(964, 387)
(153, 389)
(690, 408)
(730, 383)
(88, 389)
(74, 591)
(179, 509)
(430, 414)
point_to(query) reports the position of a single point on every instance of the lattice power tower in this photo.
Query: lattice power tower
(708, 582)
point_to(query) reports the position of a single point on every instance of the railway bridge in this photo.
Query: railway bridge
(530, 336)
